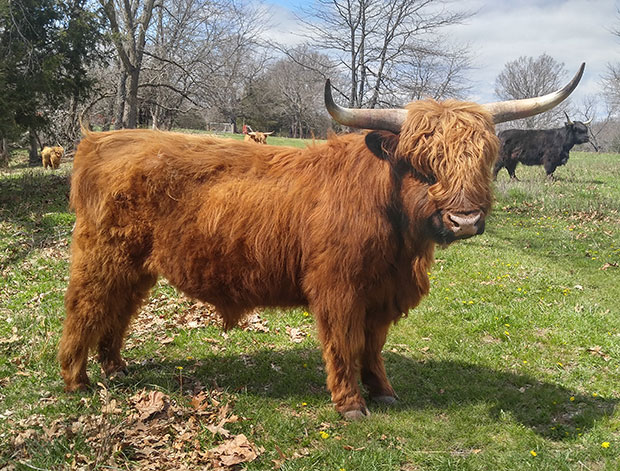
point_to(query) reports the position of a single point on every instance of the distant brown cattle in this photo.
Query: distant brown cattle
(258, 137)
(50, 156)
(347, 227)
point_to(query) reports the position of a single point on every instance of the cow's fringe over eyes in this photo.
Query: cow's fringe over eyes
(455, 144)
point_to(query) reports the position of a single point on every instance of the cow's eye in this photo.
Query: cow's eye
(428, 179)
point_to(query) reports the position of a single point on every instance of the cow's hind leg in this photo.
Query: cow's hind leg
(111, 340)
(498, 166)
(99, 302)
(341, 331)
(374, 376)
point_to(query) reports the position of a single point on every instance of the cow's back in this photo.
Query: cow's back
(521, 145)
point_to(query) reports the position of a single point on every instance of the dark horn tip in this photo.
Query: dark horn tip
(331, 106)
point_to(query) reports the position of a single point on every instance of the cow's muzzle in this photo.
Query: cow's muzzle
(463, 225)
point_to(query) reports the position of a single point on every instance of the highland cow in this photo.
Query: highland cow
(347, 227)
(258, 137)
(547, 147)
(50, 156)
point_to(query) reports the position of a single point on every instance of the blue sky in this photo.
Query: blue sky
(571, 31)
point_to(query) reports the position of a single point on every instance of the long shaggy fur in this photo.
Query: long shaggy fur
(237, 225)
(50, 156)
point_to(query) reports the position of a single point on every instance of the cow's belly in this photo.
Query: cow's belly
(531, 158)
(226, 273)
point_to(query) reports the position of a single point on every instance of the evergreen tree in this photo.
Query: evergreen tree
(46, 47)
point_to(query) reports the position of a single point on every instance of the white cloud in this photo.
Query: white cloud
(285, 27)
(570, 31)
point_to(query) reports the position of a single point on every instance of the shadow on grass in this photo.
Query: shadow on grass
(545, 407)
(25, 203)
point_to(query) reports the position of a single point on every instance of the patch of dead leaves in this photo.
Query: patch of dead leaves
(150, 428)
(165, 313)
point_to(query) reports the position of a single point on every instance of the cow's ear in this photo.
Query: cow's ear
(382, 144)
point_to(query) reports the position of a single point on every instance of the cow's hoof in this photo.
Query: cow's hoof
(76, 387)
(355, 414)
(388, 400)
(114, 370)
(117, 374)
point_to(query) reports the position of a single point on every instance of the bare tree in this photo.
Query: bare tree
(527, 77)
(433, 72)
(378, 42)
(180, 56)
(611, 86)
(129, 21)
(300, 90)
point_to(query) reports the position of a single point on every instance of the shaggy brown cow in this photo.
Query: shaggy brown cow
(347, 228)
(50, 156)
(258, 137)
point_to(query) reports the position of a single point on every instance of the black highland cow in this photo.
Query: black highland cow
(546, 147)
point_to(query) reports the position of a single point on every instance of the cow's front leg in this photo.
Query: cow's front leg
(374, 376)
(341, 331)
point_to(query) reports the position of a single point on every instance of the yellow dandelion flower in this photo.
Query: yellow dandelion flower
(304, 404)
(179, 368)
(533, 453)
(324, 435)
(605, 444)
(572, 398)
(594, 394)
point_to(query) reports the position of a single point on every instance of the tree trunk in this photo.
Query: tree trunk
(121, 95)
(4, 153)
(33, 154)
(131, 104)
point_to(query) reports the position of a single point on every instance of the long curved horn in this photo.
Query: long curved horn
(389, 120)
(568, 121)
(516, 109)
(392, 119)
(587, 122)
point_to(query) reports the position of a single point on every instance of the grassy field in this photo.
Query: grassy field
(511, 363)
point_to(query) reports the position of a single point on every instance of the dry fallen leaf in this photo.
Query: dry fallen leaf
(296, 335)
(234, 451)
(149, 404)
(609, 265)
(598, 351)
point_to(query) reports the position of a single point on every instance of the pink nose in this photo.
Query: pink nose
(464, 225)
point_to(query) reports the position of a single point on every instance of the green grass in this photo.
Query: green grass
(516, 350)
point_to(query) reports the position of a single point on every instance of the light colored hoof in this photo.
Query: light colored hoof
(118, 374)
(356, 414)
(388, 400)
